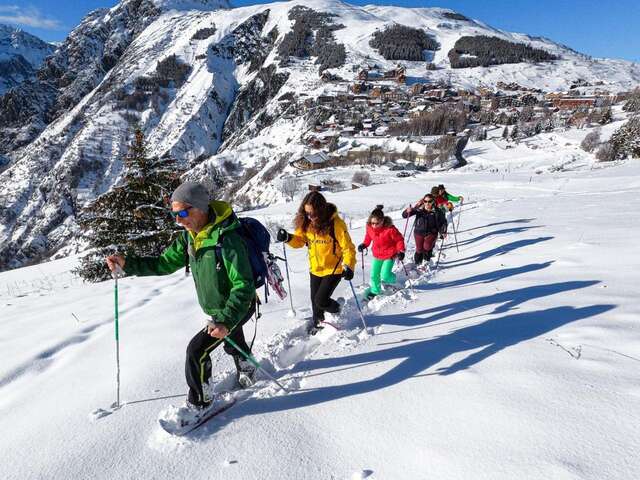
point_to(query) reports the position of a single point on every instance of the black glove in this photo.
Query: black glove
(347, 273)
(362, 247)
(283, 235)
(400, 256)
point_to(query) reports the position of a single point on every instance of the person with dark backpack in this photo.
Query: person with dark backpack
(332, 255)
(430, 221)
(219, 257)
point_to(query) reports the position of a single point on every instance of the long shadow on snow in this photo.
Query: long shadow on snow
(501, 250)
(487, 277)
(503, 231)
(503, 301)
(491, 336)
(495, 224)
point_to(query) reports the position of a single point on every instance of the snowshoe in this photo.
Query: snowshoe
(245, 373)
(186, 418)
(368, 295)
(314, 328)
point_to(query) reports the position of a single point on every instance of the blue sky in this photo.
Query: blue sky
(598, 28)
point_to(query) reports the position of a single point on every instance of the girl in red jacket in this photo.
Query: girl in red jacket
(388, 245)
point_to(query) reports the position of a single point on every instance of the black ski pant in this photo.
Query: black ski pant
(198, 363)
(321, 290)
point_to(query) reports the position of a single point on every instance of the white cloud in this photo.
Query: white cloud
(28, 17)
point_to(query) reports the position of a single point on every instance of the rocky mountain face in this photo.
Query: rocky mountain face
(91, 50)
(208, 82)
(21, 54)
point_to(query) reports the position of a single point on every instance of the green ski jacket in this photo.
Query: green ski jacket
(224, 285)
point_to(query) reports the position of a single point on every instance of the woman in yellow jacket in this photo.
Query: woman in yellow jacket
(332, 255)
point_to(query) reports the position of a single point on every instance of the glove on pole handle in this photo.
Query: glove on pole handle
(117, 273)
(286, 265)
(355, 297)
(254, 362)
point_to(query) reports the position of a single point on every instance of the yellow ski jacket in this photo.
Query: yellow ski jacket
(327, 253)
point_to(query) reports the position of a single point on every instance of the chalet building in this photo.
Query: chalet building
(572, 103)
(397, 74)
(394, 96)
(490, 103)
(417, 88)
(437, 93)
(311, 161)
(326, 99)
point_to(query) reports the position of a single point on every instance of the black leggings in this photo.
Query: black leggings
(321, 290)
(198, 363)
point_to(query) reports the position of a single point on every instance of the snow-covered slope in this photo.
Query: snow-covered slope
(517, 359)
(64, 135)
(21, 54)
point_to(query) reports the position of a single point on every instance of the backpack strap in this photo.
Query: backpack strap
(332, 234)
(187, 266)
(246, 239)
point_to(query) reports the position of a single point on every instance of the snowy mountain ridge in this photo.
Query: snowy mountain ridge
(21, 54)
(203, 81)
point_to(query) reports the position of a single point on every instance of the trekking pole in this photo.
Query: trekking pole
(406, 272)
(439, 253)
(455, 235)
(118, 272)
(255, 363)
(286, 265)
(406, 224)
(411, 233)
(459, 215)
(355, 297)
(362, 254)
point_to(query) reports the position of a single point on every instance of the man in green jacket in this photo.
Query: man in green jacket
(222, 274)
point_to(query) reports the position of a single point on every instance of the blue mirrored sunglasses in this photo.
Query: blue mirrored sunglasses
(184, 213)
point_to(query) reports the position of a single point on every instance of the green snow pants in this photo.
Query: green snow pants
(381, 270)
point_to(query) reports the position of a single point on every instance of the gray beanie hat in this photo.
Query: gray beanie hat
(193, 193)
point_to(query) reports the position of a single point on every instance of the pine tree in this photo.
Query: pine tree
(132, 217)
(625, 141)
(606, 116)
(633, 103)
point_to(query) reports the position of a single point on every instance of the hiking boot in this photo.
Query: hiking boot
(315, 326)
(189, 413)
(368, 294)
(245, 372)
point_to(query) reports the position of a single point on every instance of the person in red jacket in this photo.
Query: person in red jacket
(441, 200)
(388, 245)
